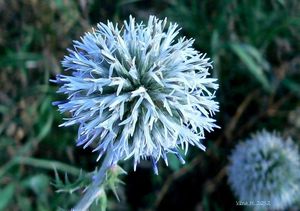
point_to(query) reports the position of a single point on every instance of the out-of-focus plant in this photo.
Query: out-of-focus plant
(265, 169)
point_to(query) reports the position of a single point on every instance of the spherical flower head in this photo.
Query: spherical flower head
(266, 168)
(138, 91)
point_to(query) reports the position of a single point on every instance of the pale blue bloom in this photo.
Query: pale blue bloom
(138, 90)
(266, 168)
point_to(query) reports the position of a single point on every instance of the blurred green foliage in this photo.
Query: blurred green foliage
(255, 48)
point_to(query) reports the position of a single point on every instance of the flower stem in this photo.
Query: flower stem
(94, 189)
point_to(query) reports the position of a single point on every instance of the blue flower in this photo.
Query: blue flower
(266, 168)
(138, 91)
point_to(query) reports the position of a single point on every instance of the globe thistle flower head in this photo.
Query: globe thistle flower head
(266, 168)
(138, 91)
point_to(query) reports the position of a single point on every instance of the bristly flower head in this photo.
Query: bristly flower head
(137, 91)
(266, 168)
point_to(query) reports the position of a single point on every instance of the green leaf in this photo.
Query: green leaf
(19, 59)
(24, 202)
(124, 2)
(205, 202)
(69, 187)
(293, 86)
(113, 180)
(6, 195)
(46, 105)
(103, 201)
(37, 183)
(174, 162)
(46, 128)
(253, 61)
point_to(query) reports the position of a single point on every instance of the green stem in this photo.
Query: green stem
(94, 189)
(49, 164)
(40, 163)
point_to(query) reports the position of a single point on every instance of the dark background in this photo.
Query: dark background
(255, 49)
